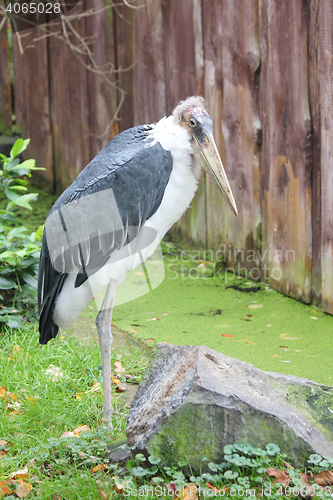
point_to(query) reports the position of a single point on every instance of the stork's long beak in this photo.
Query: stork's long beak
(209, 158)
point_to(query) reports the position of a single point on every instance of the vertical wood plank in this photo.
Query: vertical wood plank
(102, 98)
(315, 109)
(5, 85)
(183, 50)
(69, 110)
(231, 62)
(286, 160)
(326, 103)
(32, 99)
(124, 18)
(149, 69)
(183, 46)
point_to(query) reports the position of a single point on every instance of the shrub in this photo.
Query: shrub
(19, 250)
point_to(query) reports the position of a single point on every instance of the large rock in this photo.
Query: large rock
(194, 400)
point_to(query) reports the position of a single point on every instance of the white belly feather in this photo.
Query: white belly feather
(178, 194)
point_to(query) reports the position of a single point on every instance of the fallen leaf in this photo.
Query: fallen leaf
(121, 387)
(78, 395)
(165, 314)
(118, 367)
(97, 468)
(150, 342)
(32, 400)
(292, 338)
(2, 392)
(82, 428)
(254, 306)
(152, 319)
(120, 483)
(3, 442)
(324, 478)
(313, 317)
(115, 380)
(5, 488)
(281, 476)
(53, 372)
(67, 434)
(227, 335)
(132, 330)
(276, 356)
(19, 474)
(95, 387)
(103, 495)
(171, 487)
(189, 492)
(23, 489)
(250, 343)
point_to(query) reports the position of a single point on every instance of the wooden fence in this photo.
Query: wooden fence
(266, 70)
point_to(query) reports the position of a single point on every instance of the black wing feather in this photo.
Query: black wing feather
(137, 173)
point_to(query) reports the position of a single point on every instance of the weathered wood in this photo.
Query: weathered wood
(183, 50)
(315, 109)
(286, 159)
(69, 111)
(32, 98)
(5, 85)
(326, 104)
(231, 63)
(149, 70)
(184, 77)
(102, 97)
(124, 39)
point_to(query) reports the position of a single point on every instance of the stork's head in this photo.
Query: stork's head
(192, 114)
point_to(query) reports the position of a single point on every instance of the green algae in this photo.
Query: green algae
(195, 307)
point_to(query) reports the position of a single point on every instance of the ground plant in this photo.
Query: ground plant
(19, 250)
(52, 444)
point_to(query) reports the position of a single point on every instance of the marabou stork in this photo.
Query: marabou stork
(112, 217)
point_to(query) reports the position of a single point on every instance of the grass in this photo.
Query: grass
(37, 407)
(240, 318)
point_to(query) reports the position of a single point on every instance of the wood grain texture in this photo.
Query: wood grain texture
(5, 86)
(69, 109)
(286, 159)
(149, 70)
(326, 104)
(183, 48)
(315, 110)
(231, 61)
(124, 19)
(101, 96)
(32, 99)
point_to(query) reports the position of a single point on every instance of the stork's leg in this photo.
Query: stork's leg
(103, 323)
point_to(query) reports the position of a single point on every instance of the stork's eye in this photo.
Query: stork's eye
(193, 122)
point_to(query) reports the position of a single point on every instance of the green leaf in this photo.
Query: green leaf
(29, 164)
(23, 201)
(17, 148)
(7, 284)
(39, 232)
(229, 474)
(272, 449)
(12, 164)
(154, 460)
(140, 457)
(15, 232)
(30, 280)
